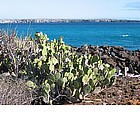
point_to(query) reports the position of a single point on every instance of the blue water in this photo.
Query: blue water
(78, 34)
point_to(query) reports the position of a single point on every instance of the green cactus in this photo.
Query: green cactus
(87, 89)
(85, 79)
(62, 72)
(60, 82)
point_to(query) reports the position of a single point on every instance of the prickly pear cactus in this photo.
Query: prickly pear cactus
(61, 73)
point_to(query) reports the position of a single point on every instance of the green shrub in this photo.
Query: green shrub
(14, 52)
(54, 68)
(60, 72)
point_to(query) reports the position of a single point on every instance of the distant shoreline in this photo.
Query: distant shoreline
(63, 20)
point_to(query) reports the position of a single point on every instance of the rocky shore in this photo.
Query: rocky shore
(118, 57)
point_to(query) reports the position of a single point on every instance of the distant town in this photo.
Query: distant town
(62, 20)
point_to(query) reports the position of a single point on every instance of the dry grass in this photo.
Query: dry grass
(14, 91)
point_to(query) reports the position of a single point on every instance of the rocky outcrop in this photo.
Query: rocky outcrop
(118, 57)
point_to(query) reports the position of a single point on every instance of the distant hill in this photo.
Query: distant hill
(62, 20)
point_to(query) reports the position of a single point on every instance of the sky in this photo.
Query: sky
(70, 9)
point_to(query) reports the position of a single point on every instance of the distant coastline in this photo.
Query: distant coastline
(63, 20)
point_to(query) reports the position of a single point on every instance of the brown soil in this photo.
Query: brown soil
(126, 91)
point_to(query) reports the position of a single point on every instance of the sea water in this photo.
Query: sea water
(126, 34)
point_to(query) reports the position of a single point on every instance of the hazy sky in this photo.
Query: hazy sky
(121, 9)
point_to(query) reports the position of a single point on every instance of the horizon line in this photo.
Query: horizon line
(67, 19)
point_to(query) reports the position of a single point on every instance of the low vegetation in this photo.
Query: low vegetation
(52, 68)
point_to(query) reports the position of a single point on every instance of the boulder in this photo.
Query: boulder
(117, 56)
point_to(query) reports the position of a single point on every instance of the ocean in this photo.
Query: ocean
(126, 34)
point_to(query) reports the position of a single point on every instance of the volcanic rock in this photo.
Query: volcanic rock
(118, 57)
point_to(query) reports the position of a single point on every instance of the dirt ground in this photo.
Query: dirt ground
(126, 91)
